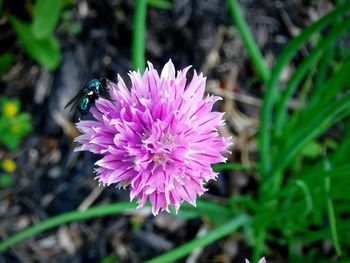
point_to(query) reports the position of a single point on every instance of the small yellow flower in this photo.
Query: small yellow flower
(8, 165)
(10, 109)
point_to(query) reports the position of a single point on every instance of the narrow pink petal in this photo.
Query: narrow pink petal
(168, 71)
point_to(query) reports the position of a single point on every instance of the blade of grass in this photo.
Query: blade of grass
(271, 92)
(208, 209)
(331, 214)
(343, 150)
(247, 37)
(313, 177)
(303, 68)
(332, 87)
(229, 166)
(161, 4)
(307, 195)
(138, 35)
(324, 233)
(316, 126)
(302, 102)
(66, 218)
(323, 68)
(260, 244)
(215, 234)
(338, 157)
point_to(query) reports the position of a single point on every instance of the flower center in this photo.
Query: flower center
(158, 146)
(166, 140)
(158, 157)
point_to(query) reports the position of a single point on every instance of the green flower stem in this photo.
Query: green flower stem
(247, 37)
(66, 218)
(209, 238)
(138, 37)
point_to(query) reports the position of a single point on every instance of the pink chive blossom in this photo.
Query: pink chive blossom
(160, 137)
(262, 260)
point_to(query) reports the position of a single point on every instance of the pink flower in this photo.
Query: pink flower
(262, 260)
(160, 138)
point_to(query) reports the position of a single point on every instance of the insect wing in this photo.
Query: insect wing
(74, 101)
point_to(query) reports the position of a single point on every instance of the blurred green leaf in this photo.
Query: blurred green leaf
(13, 125)
(45, 17)
(5, 61)
(312, 150)
(229, 166)
(161, 4)
(330, 143)
(68, 25)
(46, 50)
(10, 140)
(229, 227)
(205, 208)
(23, 119)
(111, 258)
(184, 214)
(243, 203)
(308, 199)
(6, 180)
(66, 3)
(64, 218)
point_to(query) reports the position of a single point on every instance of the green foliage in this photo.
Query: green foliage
(5, 61)
(14, 126)
(37, 36)
(6, 180)
(45, 50)
(109, 259)
(161, 4)
(229, 166)
(68, 25)
(312, 150)
(45, 17)
(228, 227)
(309, 196)
(207, 209)
(64, 218)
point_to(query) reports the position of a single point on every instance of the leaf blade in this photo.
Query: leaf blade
(45, 17)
